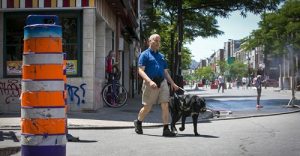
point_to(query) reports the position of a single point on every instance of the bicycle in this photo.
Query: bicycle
(113, 93)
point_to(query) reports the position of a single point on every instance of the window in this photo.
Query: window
(13, 41)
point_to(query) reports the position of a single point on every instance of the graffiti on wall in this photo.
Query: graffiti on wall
(76, 94)
(10, 90)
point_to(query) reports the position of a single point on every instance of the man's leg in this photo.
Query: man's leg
(144, 112)
(141, 116)
(165, 113)
(165, 119)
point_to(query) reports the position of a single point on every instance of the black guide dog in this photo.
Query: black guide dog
(182, 106)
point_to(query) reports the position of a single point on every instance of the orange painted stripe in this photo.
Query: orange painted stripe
(16, 4)
(43, 45)
(43, 72)
(43, 99)
(35, 3)
(53, 3)
(43, 126)
(91, 3)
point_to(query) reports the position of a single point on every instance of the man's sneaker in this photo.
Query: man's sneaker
(138, 127)
(168, 133)
(259, 106)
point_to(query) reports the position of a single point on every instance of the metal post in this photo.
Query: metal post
(43, 117)
(292, 100)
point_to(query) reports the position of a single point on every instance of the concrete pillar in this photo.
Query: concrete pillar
(88, 56)
(100, 55)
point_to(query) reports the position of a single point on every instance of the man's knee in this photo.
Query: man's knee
(147, 108)
(165, 106)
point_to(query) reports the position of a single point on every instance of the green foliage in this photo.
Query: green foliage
(186, 58)
(199, 18)
(223, 66)
(204, 72)
(237, 69)
(277, 29)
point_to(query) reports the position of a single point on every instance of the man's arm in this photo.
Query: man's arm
(169, 79)
(145, 77)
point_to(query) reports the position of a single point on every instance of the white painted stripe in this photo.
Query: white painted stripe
(43, 86)
(78, 3)
(22, 4)
(43, 59)
(43, 140)
(43, 113)
(59, 3)
(41, 3)
(4, 4)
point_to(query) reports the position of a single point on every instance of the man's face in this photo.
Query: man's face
(155, 43)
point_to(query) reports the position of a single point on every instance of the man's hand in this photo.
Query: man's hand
(174, 87)
(153, 84)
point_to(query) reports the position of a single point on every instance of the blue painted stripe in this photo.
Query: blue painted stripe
(43, 150)
(42, 19)
(42, 31)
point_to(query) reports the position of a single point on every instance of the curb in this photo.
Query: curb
(7, 151)
(152, 125)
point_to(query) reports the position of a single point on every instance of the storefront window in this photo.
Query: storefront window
(13, 41)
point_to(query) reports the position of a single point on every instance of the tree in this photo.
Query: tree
(223, 66)
(199, 18)
(205, 72)
(237, 69)
(277, 29)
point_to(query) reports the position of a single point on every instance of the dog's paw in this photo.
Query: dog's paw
(181, 128)
(174, 130)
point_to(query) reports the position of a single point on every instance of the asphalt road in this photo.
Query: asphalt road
(259, 136)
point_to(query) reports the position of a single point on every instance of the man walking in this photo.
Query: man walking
(153, 70)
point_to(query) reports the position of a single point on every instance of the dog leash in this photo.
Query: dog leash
(182, 89)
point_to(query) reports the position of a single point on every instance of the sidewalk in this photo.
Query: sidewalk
(238, 104)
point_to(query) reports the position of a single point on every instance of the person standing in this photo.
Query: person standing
(257, 81)
(110, 66)
(244, 81)
(153, 70)
(221, 83)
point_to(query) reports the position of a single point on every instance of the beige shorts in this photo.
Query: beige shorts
(152, 96)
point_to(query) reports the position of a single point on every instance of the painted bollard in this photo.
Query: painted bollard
(43, 117)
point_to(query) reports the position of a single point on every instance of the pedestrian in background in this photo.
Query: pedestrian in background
(244, 82)
(221, 83)
(110, 66)
(257, 82)
(153, 69)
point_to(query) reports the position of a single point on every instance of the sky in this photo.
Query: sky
(235, 27)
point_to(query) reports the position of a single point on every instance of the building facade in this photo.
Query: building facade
(91, 28)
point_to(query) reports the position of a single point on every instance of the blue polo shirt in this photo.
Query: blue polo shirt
(154, 63)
